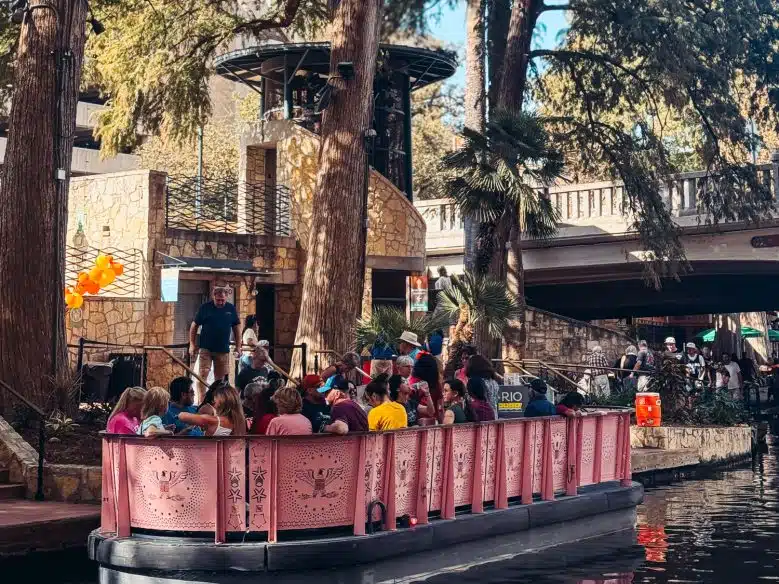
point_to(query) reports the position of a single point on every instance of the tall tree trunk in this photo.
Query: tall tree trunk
(33, 197)
(475, 103)
(514, 347)
(331, 303)
(524, 17)
(498, 18)
(510, 95)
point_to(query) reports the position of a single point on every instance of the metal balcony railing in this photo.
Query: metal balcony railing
(225, 205)
(128, 285)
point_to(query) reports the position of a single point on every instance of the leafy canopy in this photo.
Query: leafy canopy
(385, 324)
(622, 59)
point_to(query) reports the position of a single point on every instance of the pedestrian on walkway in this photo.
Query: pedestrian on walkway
(216, 319)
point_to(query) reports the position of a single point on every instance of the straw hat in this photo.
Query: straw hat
(410, 338)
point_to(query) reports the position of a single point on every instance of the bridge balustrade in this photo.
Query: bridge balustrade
(255, 484)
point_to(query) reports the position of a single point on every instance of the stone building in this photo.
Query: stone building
(250, 234)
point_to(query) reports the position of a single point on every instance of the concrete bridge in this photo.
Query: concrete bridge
(593, 267)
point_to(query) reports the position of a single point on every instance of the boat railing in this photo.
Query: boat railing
(268, 485)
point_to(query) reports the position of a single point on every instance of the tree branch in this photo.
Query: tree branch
(282, 19)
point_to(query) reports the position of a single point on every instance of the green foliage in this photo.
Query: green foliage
(386, 323)
(486, 301)
(434, 110)
(59, 426)
(502, 171)
(718, 408)
(625, 67)
(154, 59)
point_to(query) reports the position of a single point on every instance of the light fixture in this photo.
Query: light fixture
(18, 11)
(97, 26)
(346, 70)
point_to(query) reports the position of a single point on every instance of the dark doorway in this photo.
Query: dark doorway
(389, 288)
(266, 313)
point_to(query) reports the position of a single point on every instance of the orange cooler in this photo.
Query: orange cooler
(648, 410)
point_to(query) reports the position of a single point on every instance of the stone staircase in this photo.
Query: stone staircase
(9, 490)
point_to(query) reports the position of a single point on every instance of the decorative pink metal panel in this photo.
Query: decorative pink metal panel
(235, 485)
(489, 448)
(559, 454)
(609, 449)
(317, 480)
(463, 458)
(588, 450)
(435, 468)
(514, 439)
(108, 505)
(537, 448)
(374, 471)
(406, 472)
(172, 486)
(259, 484)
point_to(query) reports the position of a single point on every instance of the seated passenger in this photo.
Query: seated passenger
(539, 406)
(182, 396)
(125, 418)
(346, 415)
(290, 421)
(401, 392)
(259, 368)
(570, 405)
(263, 409)
(155, 404)
(479, 409)
(385, 414)
(454, 400)
(314, 406)
(228, 418)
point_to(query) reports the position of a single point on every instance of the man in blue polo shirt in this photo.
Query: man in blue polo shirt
(216, 319)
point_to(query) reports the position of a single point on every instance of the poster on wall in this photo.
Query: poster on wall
(418, 292)
(169, 284)
(512, 400)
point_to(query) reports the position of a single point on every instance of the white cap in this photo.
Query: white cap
(670, 341)
(691, 346)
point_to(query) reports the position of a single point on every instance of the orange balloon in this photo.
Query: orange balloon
(102, 262)
(82, 277)
(91, 287)
(80, 288)
(77, 300)
(107, 278)
(68, 298)
(117, 268)
(95, 273)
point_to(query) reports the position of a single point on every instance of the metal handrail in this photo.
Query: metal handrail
(41, 434)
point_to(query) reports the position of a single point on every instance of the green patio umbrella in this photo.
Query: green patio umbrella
(747, 332)
(773, 336)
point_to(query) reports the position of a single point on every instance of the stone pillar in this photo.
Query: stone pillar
(367, 294)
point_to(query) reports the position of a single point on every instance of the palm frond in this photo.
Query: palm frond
(487, 300)
(384, 326)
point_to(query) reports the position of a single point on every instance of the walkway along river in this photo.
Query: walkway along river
(722, 528)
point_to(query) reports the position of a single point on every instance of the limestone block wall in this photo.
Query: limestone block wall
(558, 339)
(713, 444)
(396, 229)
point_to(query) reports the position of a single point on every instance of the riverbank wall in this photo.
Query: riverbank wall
(713, 445)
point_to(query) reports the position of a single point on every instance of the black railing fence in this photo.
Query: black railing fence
(226, 205)
(128, 285)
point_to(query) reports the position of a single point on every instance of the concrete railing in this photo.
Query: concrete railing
(588, 204)
(191, 485)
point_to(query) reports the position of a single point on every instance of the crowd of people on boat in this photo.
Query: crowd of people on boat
(341, 399)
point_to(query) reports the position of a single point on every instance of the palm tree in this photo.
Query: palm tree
(475, 300)
(497, 178)
(385, 324)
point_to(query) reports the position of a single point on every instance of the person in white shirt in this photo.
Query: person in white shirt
(736, 381)
(696, 364)
(444, 282)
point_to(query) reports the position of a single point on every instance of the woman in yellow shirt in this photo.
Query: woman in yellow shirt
(385, 414)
